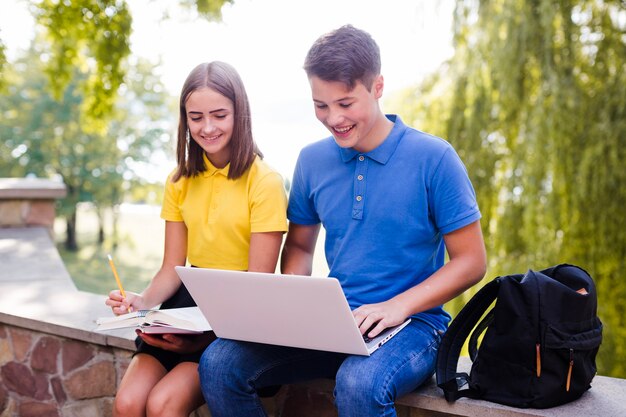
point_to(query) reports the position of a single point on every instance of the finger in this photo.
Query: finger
(173, 339)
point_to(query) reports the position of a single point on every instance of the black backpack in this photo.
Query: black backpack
(540, 345)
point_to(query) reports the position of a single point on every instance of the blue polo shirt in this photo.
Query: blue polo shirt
(385, 212)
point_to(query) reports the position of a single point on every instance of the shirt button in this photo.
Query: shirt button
(360, 178)
(359, 198)
(361, 158)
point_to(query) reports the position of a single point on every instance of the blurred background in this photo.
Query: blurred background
(532, 94)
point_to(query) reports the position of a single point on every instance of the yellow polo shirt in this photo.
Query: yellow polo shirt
(220, 214)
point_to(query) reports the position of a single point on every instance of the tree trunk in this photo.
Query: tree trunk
(70, 241)
(100, 213)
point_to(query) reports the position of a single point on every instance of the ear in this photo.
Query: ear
(378, 86)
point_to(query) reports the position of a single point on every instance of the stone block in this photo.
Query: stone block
(11, 213)
(40, 213)
(19, 378)
(10, 409)
(35, 409)
(58, 391)
(21, 344)
(6, 351)
(42, 387)
(86, 408)
(96, 381)
(45, 355)
(4, 398)
(75, 355)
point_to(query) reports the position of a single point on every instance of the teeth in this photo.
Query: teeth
(343, 130)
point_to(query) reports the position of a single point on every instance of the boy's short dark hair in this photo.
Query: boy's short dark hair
(346, 55)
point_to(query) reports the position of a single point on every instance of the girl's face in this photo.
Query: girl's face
(211, 119)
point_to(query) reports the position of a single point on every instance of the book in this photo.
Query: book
(174, 320)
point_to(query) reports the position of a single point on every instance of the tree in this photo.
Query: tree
(534, 100)
(62, 125)
(44, 136)
(94, 35)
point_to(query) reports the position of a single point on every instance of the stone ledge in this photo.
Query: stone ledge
(604, 399)
(31, 189)
(28, 254)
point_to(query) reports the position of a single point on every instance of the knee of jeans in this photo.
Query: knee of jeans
(354, 387)
(213, 366)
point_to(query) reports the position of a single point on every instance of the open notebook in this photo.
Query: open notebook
(288, 310)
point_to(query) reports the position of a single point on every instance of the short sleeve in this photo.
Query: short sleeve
(172, 200)
(301, 205)
(452, 196)
(268, 210)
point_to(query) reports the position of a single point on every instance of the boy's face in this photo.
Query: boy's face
(352, 116)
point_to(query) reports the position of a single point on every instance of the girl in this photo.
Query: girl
(223, 208)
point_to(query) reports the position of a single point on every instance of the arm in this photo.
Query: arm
(165, 281)
(262, 257)
(297, 256)
(264, 250)
(467, 266)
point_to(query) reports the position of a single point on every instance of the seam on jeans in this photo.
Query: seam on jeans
(434, 341)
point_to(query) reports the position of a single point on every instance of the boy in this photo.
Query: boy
(392, 200)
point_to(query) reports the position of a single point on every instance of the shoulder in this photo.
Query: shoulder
(261, 172)
(323, 147)
(425, 142)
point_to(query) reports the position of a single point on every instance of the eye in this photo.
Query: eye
(195, 119)
(345, 105)
(321, 106)
(220, 116)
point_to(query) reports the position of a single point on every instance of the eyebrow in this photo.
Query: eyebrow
(211, 112)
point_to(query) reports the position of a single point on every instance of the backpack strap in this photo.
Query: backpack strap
(448, 355)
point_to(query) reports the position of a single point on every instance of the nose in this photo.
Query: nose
(334, 116)
(207, 126)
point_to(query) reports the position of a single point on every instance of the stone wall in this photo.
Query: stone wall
(53, 376)
(29, 201)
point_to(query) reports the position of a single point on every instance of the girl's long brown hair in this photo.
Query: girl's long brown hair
(223, 78)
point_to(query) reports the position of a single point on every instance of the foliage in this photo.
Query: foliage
(3, 63)
(534, 100)
(46, 137)
(209, 9)
(91, 37)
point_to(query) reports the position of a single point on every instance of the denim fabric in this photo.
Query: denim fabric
(232, 371)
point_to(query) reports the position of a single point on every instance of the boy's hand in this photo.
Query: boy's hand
(387, 314)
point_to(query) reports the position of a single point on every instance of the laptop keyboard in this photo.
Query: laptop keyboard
(365, 338)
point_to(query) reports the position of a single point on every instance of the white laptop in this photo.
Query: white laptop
(287, 310)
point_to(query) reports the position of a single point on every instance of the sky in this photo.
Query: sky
(266, 41)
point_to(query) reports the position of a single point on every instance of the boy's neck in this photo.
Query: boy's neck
(380, 131)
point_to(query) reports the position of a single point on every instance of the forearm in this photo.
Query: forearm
(448, 282)
(467, 266)
(297, 255)
(163, 285)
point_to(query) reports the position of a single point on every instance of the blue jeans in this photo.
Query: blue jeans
(232, 371)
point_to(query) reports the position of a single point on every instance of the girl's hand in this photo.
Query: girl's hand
(123, 305)
(179, 343)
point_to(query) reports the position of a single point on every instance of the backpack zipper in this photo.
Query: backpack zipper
(539, 335)
(569, 371)
(538, 355)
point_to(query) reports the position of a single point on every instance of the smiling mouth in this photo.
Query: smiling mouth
(343, 130)
(211, 138)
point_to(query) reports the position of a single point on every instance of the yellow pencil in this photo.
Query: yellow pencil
(117, 278)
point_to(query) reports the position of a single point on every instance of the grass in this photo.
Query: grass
(137, 256)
